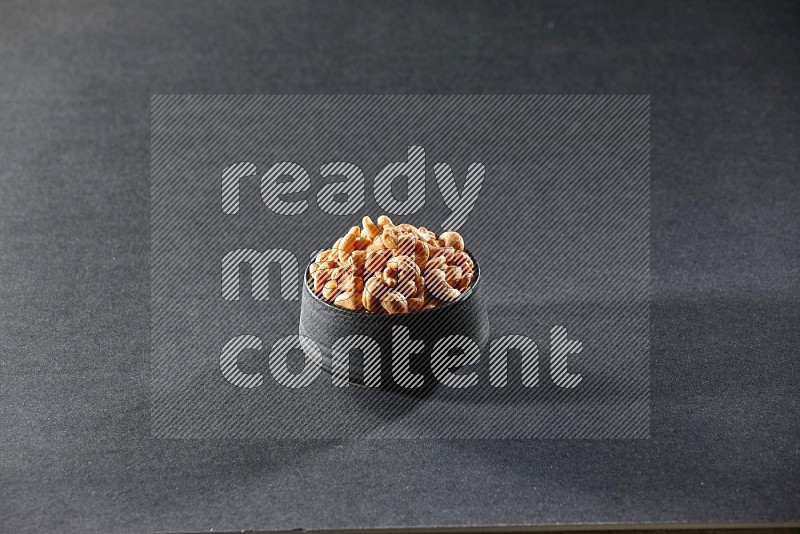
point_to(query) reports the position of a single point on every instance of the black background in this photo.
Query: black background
(75, 87)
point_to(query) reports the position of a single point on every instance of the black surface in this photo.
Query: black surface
(75, 86)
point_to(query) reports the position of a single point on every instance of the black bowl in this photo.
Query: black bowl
(326, 324)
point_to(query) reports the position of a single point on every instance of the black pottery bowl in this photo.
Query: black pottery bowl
(326, 324)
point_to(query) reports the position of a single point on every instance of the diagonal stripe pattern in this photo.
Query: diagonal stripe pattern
(556, 209)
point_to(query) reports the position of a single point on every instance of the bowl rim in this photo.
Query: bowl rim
(461, 299)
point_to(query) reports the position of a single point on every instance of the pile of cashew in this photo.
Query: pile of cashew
(381, 267)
